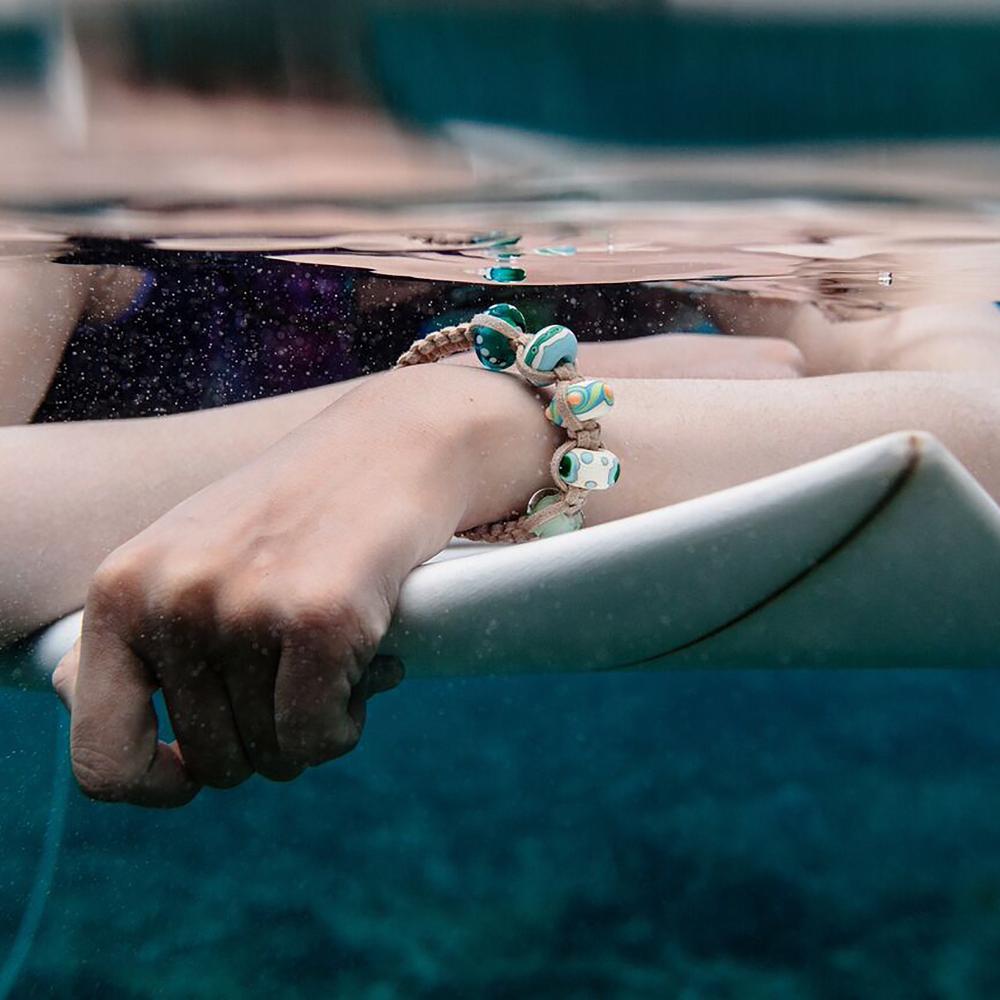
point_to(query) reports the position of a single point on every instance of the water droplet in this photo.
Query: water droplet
(885, 278)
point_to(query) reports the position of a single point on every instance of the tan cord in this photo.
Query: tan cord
(451, 340)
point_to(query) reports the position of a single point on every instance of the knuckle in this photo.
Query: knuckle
(306, 740)
(118, 579)
(187, 584)
(242, 609)
(325, 748)
(332, 749)
(100, 776)
(324, 614)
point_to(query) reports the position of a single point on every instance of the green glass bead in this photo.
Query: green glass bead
(589, 399)
(509, 314)
(561, 523)
(493, 349)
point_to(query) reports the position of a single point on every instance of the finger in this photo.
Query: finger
(251, 693)
(383, 674)
(315, 718)
(204, 724)
(113, 737)
(65, 674)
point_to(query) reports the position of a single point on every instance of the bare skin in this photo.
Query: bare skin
(67, 503)
(238, 580)
(257, 604)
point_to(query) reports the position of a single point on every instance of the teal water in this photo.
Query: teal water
(819, 835)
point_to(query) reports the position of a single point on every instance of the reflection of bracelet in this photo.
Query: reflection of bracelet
(547, 358)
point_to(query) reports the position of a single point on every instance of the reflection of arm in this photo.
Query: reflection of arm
(73, 492)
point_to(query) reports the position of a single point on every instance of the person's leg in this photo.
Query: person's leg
(40, 305)
(927, 338)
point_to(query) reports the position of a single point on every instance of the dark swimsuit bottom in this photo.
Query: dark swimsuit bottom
(210, 329)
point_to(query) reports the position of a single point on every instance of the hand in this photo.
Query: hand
(258, 604)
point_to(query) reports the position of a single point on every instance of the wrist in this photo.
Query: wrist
(477, 442)
(509, 444)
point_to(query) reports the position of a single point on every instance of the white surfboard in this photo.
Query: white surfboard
(883, 555)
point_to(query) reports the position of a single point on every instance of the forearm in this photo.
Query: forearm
(74, 492)
(287, 571)
(682, 439)
(677, 439)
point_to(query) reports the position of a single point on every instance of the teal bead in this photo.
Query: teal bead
(509, 314)
(589, 399)
(561, 523)
(551, 347)
(493, 349)
(505, 275)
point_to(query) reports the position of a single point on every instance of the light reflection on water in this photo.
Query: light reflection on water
(837, 253)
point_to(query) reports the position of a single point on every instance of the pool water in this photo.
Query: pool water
(823, 834)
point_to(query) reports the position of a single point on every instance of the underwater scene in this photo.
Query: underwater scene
(734, 740)
(696, 834)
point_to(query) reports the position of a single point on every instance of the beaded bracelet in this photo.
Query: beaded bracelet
(581, 465)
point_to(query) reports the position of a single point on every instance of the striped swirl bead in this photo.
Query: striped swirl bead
(589, 399)
(551, 347)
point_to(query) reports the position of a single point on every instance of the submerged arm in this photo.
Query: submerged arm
(74, 492)
(258, 603)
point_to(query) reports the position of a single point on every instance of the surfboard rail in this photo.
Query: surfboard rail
(886, 554)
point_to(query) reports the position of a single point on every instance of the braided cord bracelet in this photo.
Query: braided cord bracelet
(547, 358)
